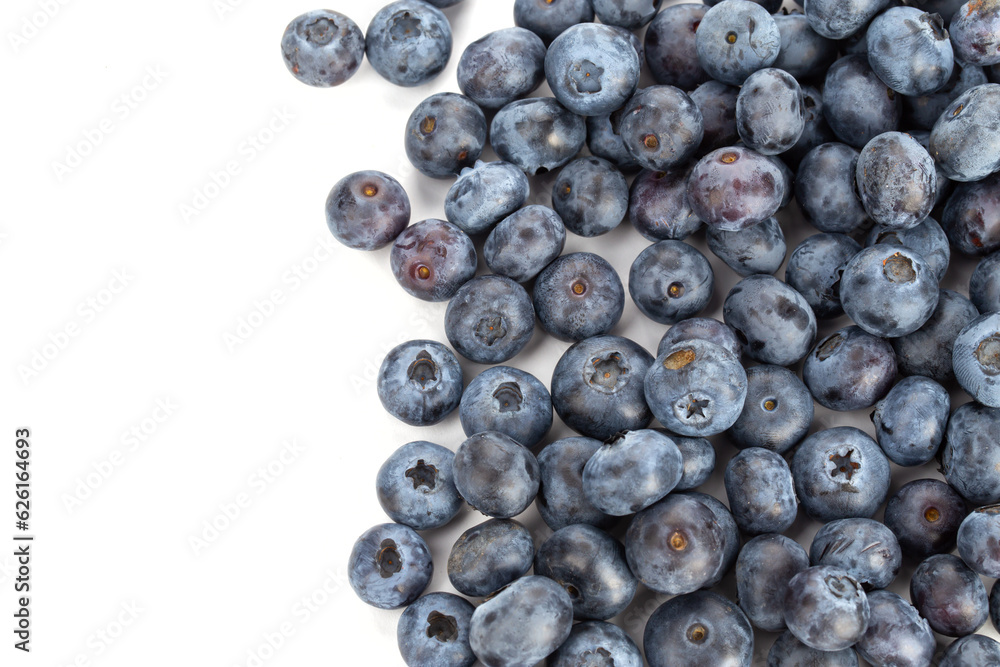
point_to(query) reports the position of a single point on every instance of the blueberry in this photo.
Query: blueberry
(840, 473)
(770, 115)
(704, 328)
(670, 46)
(977, 540)
(866, 549)
(670, 281)
(726, 522)
(850, 370)
(927, 239)
(408, 42)
(971, 218)
(705, 628)
(420, 382)
(484, 195)
(765, 566)
(757, 249)
(661, 127)
(367, 210)
(925, 515)
(490, 319)
(856, 104)
(826, 608)
(805, 54)
(502, 66)
(910, 50)
(658, 205)
(432, 259)
(922, 112)
(984, 285)
(837, 19)
(591, 196)
(772, 320)
(592, 69)
(525, 242)
(597, 386)
(434, 632)
(630, 14)
(590, 565)
(487, 557)
(975, 32)
(390, 566)
(445, 134)
(734, 188)
(631, 471)
(578, 296)
(787, 651)
(596, 641)
(604, 141)
(928, 350)
(977, 359)
(825, 189)
(537, 134)
(717, 103)
(965, 141)
(735, 39)
(761, 491)
(323, 48)
(772, 6)
(949, 595)
(496, 475)
(971, 651)
(814, 269)
(910, 420)
(896, 634)
(561, 500)
(507, 400)
(698, 456)
(896, 180)
(777, 413)
(946, 8)
(549, 19)
(415, 486)
(995, 605)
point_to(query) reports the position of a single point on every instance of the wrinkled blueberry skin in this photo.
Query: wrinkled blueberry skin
(597, 386)
(889, 290)
(826, 608)
(857, 105)
(323, 48)
(910, 50)
(734, 188)
(522, 624)
(631, 471)
(971, 651)
(928, 350)
(670, 46)
(757, 249)
(976, 358)
(896, 180)
(445, 134)
(840, 473)
(629, 14)
(525, 242)
(431, 259)
(804, 54)
(770, 115)
(977, 541)
(772, 320)
(408, 42)
(949, 595)
(661, 127)
(434, 632)
(765, 566)
(837, 19)
(984, 284)
(910, 420)
(502, 66)
(704, 328)
(549, 19)
(591, 196)
(924, 111)
(508, 400)
(777, 413)
(496, 475)
(925, 515)
(927, 239)
(670, 281)
(578, 296)
(760, 491)
(866, 549)
(484, 195)
(590, 565)
(487, 557)
(814, 268)
(592, 69)
(787, 651)
(390, 566)
(755, 41)
(698, 455)
(596, 640)
(696, 388)
(561, 500)
(965, 141)
(705, 628)
(975, 33)
(537, 134)
(730, 533)
(420, 382)
(896, 634)
(415, 486)
(717, 103)
(971, 218)
(367, 210)
(490, 319)
(658, 205)
(824, 188)
(850, 369)
(605, 141)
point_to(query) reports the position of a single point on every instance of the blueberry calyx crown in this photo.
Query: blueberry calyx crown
(508, 397)
(387, 559)
(442, 627)
(422, 474)
(423, 370)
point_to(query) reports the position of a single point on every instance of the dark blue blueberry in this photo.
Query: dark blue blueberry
(949, 595)
(850, 369)
(525, 242)
(896, 634)
(910, 420)
(549, 18)
(630, 14)
(965, 141)
(837, 19)
(490, 319)
(735, 39)
(705, 628)
(777, 413)
(924, 111)
(910, 50)
(415, 486)
(772, 320)
(840, 473)
(765, 566)
(984, 285)
(927, 239)
(717, 103)
(975, 32)
(825, 189)
(420, 382)
(977, 541)
(591, 196)
(597, 386)
(390, 566)
(434, 632)
(445, 134)
(734, 188)
(496, 475)
(857, 105)
(502, 66)
(804, 54)
(815, 132)
(578, 296)
(971, 218)
(431, 259)
(323, 48)
(787, 651)
(590, 565)
(826, 608)
(698, 455)
(896, 180)
(972, 651)
(367, 210)
(561, 500)
(661, 127)
(508, 400)
(484, 195)
(946, 8)
(658, 205)
(814, 271)
(605, 141)
(670, 46)
(631, 471)
(487, 557)
(596, 642)
(592, 69)
(977, 359)
(757, 249)
(730, 533)
(704, 328)
(928, 350)
(408, 42)
(866, 549)
(671, 281)
(770, 114)
(760, 491)
(925, 515)
(537, 134)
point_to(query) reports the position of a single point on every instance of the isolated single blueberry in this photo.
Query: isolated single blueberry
(390, 566)
(408, 42)
(420, 382)
(415, 486)
(323, 48)
(434, 632)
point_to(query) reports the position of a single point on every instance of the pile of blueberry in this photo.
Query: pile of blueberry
(879, 119)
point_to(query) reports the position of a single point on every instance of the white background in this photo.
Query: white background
(135, 275)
